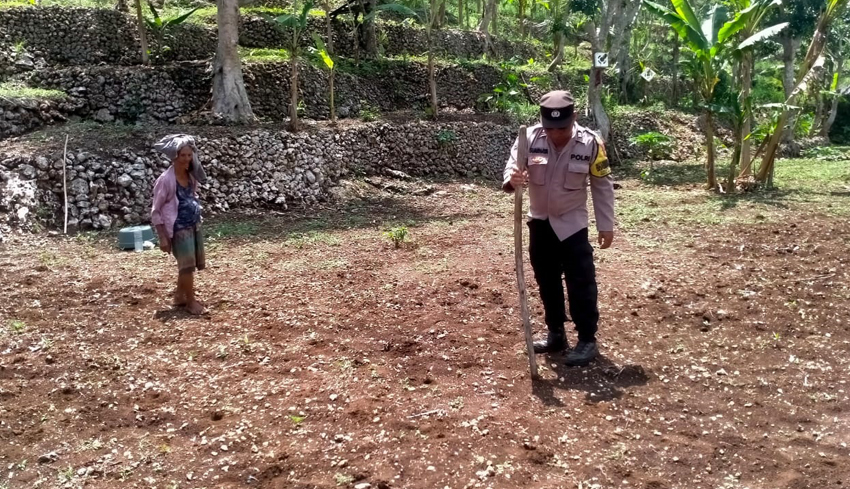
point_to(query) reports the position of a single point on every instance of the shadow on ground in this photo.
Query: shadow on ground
(356, 214)
(602, 380)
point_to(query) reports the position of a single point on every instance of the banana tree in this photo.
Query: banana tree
(751, 15)
(322, 52)
(160, 26)
(842, 33)
(295, 24)
(814, 58)
(711, 39)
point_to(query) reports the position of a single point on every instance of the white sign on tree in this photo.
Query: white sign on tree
(600, 60)
(648, 74)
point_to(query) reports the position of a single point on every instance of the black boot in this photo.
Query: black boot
(555, 342)
(582, 354)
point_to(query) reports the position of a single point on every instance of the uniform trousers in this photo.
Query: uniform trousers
(553, 261)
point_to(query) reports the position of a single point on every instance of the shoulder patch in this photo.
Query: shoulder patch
(600, 167)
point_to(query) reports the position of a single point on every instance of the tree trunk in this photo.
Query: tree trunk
(620, 47)
(559, 52)
(441, 15)
(143, 35)
(833, 109)
(494, 15)
(460, 19)
(790, 45)
(819, 109)
(371, 35)
(230, 100)
(676, 43)
(598, 33)
(432, 79)
(122, 6)
(747, 126)
(623, 28)
(293, 94)
(522, 18)
(484, 27)
(709, 145)
(813, 57)
(329, 45)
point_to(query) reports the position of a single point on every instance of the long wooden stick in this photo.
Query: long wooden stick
(65, 181)
(521, 159)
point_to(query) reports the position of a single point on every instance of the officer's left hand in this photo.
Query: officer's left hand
(605, 239)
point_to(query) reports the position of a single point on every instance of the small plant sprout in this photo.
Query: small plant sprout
(66, 475)
(17, 326)
(397, 235)
(446, 137)
(343, 479)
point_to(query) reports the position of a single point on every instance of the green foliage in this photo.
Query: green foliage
(767, 89)
(160, 27)
(17, 326)
(369, 113)
(657, 145)
(294, 24)
(394, 8)
(510, 95)
(397, 235)
(804, 124)
(322, 52)
(827, 153)
(446, 137)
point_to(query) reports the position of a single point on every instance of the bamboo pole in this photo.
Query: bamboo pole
(522, 160)
(65, 181)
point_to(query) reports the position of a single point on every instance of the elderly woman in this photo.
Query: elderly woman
(176, 214)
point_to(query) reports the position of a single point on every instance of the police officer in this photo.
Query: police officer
(565, 158)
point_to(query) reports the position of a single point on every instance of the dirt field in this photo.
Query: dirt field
(329, 358)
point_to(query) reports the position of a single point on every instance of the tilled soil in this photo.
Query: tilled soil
(330, 358)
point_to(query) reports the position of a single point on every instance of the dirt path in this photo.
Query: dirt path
(331, 359)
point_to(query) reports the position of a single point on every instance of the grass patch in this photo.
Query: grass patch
(311, 238)
(809, 184)
(264, 55)
(224, 230)
(17, 91)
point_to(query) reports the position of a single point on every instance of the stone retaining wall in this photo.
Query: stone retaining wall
(164, 94)
(19, 116)
(258, 168)
(83, 36)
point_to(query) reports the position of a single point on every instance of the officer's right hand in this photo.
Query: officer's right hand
(518, 178)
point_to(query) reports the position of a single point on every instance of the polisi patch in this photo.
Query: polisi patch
(576, 157)
(600, 167)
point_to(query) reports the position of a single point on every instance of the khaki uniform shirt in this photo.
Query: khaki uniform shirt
(557, 182)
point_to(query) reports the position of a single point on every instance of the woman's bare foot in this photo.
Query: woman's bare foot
(180, 299)
(195, 307)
